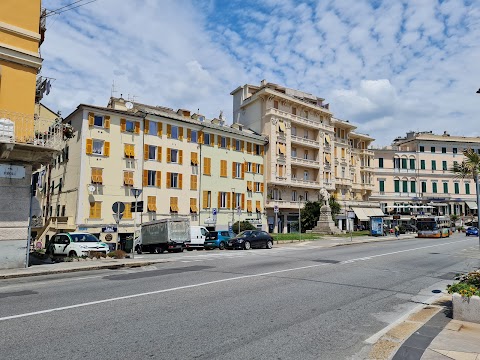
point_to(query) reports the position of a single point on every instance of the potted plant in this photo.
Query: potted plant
(68, 131)
(466, 297)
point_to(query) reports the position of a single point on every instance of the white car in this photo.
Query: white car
(76, 244)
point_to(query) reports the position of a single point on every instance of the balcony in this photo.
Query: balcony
(344, 181)
(306, 183)
(297, 119)
(305, 162)
(303, 141)
(329, 185)
(283, 204)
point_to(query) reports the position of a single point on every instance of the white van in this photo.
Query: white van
(197, 238)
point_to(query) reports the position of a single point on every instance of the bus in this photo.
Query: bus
(433, 227)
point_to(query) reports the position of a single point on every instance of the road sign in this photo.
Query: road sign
(139, 207)
(136, 192)
(117, 217)
(275, 209)
(214, 211)
(239, 210)
(118, 207)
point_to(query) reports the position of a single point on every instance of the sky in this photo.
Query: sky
(386, 66)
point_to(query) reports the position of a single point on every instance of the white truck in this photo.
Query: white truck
(163, 235)
(197, 239)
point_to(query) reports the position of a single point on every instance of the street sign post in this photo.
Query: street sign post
(275, 227)
(118, 209)
(136, 193)
(239, 213)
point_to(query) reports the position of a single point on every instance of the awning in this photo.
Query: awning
(373, 212)
(281, 125)
(327, 139)
(360, 214)
(328, 159)
(193, 209)
(471, 204)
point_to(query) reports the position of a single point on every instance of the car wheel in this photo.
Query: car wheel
(269, 244)
(158, 250)
(72, 254)
(221, 246)
(247, 245)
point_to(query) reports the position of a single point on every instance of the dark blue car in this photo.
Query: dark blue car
(472, 230)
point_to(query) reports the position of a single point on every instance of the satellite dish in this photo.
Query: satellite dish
(91, 188)
(129, 105)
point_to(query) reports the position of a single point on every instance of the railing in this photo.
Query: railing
(306, 183)
(305, 141)
(305, 162)
(283, 203)
(298, 119)
(344, 181)
(30, 129)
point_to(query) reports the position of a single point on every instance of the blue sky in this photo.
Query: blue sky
(387, 66)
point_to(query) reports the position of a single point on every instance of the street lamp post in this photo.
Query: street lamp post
(300, 198)
(136, 193)
(233, 207)
(478, 198)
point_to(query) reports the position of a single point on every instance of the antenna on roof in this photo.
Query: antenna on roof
(113, 91)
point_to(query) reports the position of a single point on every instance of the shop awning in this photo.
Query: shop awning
(373, 212)
(471, 204)
(360, 214)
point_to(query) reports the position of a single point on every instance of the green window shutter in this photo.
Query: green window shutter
(404, 163)
(382, 185)
(405, 186)
(434, 187)
(445, 188)
(424, 187)
(397, 185)
(413, 187)
(457, 188)
(444, 165)
(432, 149)
(412, 164)
(380, 163)
(422, 148)
(444, 150)
(434, 165)
(422, 164)
(467, 189)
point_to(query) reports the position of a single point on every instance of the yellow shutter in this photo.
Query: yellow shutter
(125, 178)
(262, 150)
(205, 200)
(159, 179)
(228, 143)
(180, 157)
(98, 210)
(169, 131)
(249, 147)
(261, 187)
(172, 204)
(200, 137)
(249, 186)
(180, 133)
(123, 125)
(258, 207)
(206, 166)
(180, 181)
(219, 200)
(159, 128)
(243, 201)
(219, 141)
(242, 145)
(193, 205)
(137, 127)
(92, 210)
(193, 182)
(159, 153)
(89, 148)
(261, 169)
(249, 206)
(234, 169)
(106, 148)
(100, 176)
(229, 199)
(147, 126)
(194, 158)
(189, 135)
(106, 125)
(169, 183)
(152, 203)
(145, 177)
(132, 150)
(127, 213)
(91, 118)
(169, 155)
(212, 140)
(243, 170)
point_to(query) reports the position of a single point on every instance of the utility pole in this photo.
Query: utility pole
(300, 198)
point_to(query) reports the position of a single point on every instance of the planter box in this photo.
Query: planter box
(466, 309)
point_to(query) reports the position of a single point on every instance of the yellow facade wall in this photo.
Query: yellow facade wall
(23, 43)
(22, 13)
(17, 88)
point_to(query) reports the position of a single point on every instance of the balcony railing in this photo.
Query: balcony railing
(305, 162)
(297, 119)
(306, 183)
(30, 129)
(305, 141)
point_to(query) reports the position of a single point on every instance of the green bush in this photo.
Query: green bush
(117, 254)
(468, 285)
(244, 225)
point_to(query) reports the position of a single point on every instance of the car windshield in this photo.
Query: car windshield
(244, 234)
(84, 238)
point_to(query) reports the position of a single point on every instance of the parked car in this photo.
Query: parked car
(198, 235)
(217, 239)
(76, 244)
(472, 230)
(250, 239)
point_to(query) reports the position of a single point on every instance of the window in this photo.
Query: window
(152, 152)
(405, 186)
(404, 163)
(382, 185)
(454, 150)
(380, 163)
(95, 210)
(294, 110)
(258, 150)
(238, 145)
(222, 199)
(152, 128)
(445, 187)
(396, 163)
(434, 187)
(98, 120)
(275, 104)
(223, 168)
(305, 196)
(305, 154)
(237, 170)
(174, 156)
(63, 210)
(305, 175)
(444, 150)
(151, 204)
(174, 204)
(98, 147)
(207, 166)
(152, 177)
(434, 165)
(193, 182)
(222, 142)
(294, 152)
(397, 185)
(237, 200)
(129, 150)
(259, 169)
(258, 187)
(97, 177)
(207, 199)
(207, 139)
(422, 148)
(293, 131)
(422, 164)
(193, 136)
(128, 178)
(467, 188)
(456, 187)
(413, 186)
(130, 126)
(173, 132)
(444, 165)
(412, 164)
(58, 211)
(424, 186)
(193, 206)
(432, 149)
(194, 159)
(174, 180)
(305, 134)
(249, 147)
(294, 195)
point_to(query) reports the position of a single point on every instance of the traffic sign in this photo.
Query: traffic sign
(117, 217)
(275, 209)
(118, 207)
(136, 192)
(214, 211)
(139, 207)
(239, 210)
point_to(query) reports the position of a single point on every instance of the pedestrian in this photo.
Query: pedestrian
(397, 231)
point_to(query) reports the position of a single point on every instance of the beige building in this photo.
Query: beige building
(412, 176)
(308, 150)
(185, 166)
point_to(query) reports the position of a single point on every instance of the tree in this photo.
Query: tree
(244, 225)
(310, 215)
(334, 206)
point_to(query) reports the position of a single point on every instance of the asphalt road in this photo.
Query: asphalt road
(299, 302)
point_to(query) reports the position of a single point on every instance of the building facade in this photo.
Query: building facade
(413, 176)
(26, 141)
(185, 166)
(308, 150)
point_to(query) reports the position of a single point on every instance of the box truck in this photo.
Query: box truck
(163, 235)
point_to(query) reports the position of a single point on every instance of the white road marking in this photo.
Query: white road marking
(205, 284)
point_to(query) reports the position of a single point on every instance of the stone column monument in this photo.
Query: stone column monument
(325, 224)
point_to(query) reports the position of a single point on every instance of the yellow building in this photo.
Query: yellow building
(26, 140)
